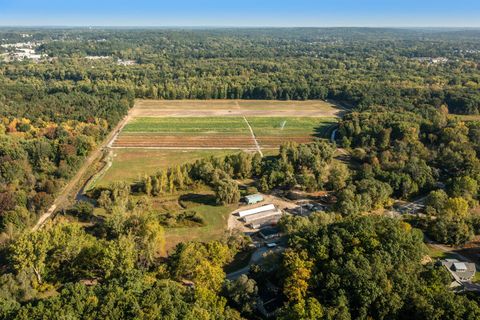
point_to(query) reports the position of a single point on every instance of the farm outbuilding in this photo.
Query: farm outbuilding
(265, 221)
(253, 198)
(248, 212)
(261, 215)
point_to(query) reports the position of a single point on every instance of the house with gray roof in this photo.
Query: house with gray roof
(462, 272)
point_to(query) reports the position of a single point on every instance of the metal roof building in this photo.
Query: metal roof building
(261, 215)
(253, 198)
(248, 212)
(265, 222)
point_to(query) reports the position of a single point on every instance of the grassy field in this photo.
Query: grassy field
(221, 132)
(202, 202)
(260, 125)
(471, 117)
(131, 164)
(290, 126)
(435, 253)
(215, 218)
(179, 125)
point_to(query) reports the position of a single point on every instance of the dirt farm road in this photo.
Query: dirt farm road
(72, 187)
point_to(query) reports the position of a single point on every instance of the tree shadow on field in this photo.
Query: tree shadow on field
(203, 199)
(324, 131)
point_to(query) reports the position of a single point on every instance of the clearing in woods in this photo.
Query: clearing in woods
(163, 134)
(239, 108)
(219, 124)
(469, 117)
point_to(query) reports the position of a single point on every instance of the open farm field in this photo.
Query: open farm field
(202, 141)
(470, 117)
(216, 108)
(273, 131)
(131, 164)
(221, 132)
(162, 133)
(192, 133)
(180, 125)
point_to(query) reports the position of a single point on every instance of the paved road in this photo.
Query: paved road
(71, 188)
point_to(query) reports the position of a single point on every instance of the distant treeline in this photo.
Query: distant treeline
(361, 66)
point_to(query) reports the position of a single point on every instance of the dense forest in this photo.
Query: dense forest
(404, 89)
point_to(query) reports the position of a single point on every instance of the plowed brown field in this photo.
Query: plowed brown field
(184, 141)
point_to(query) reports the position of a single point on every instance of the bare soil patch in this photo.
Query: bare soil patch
(202, 141)
(216, 108)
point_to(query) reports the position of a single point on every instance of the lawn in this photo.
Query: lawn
(131, 164)
(435, 253)
(215, 218)
(202, 202)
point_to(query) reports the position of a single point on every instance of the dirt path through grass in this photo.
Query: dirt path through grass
(253, 137)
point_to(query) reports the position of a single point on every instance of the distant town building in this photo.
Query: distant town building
(121, 62)
(22, 51)
(430, 60)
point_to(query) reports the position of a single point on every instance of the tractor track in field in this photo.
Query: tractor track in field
(253, 137)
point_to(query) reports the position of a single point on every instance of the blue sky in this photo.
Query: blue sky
(371, 13)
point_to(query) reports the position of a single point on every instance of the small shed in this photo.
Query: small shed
(253, 198)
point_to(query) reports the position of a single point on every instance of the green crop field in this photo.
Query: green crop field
(285, 126)
(186, 125)
(261, 125)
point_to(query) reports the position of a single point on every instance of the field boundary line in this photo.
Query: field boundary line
(186, 148)
(253, 136)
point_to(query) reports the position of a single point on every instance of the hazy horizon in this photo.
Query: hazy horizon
(200, 27)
